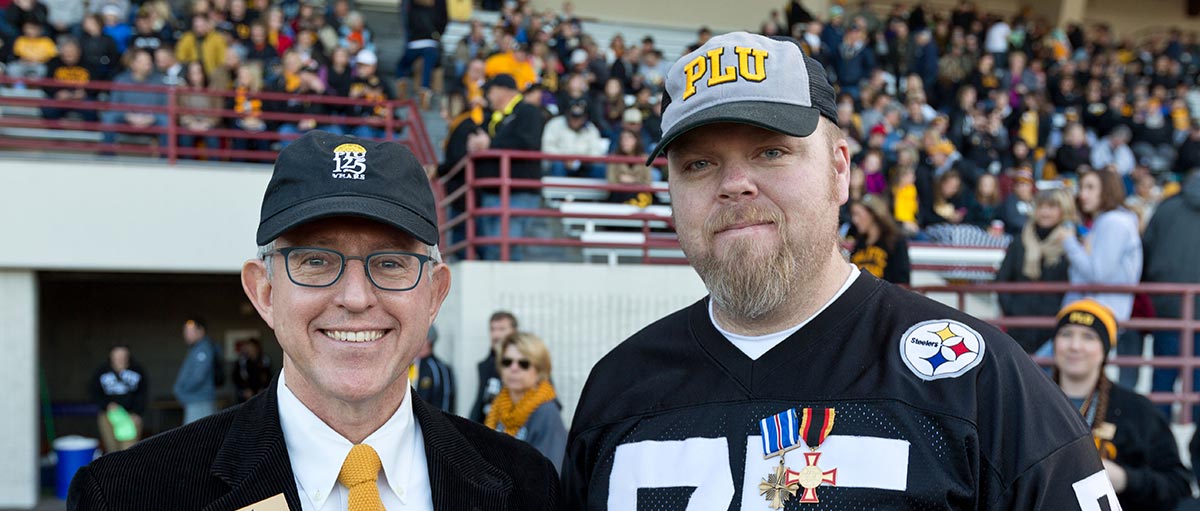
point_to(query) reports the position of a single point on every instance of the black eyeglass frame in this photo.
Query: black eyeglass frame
(421, 259)
(523, 363)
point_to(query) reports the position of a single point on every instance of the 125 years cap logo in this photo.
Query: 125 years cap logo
(941, 348)
(350, 161)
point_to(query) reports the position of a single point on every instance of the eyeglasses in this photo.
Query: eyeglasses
(508, 362)
(322, 267)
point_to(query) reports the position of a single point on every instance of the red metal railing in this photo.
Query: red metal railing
(505, 184)
(408, 128)
(1187, 326)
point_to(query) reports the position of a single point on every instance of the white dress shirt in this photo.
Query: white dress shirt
(317, 452)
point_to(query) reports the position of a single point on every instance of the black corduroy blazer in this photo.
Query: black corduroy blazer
(238, 457)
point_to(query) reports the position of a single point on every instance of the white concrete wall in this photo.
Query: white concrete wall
(19, 430)
(582, 311)
(105, 216)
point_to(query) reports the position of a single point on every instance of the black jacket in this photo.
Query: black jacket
(521, 130)
(426, 22)
(1146, 449)
(1170, 246)
(435, 383)
(489, 386)
(1029, 304)
(238, 457)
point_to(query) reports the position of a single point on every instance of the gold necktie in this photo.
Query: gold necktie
(359, 472)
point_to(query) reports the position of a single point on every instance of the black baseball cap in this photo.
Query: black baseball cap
(763, 81)
(322, 175)
(501, 80)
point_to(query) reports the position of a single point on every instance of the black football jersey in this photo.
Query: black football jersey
(934, 410)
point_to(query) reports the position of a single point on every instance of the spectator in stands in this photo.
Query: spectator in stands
(501, 325)
(100, 53)
(1109, 253)
(20, 12)
(1170, 245)
(369, 87)
(514, 125)
(1074, 153)
(196, 95)
(950, 202)
(115, 25)
(120, 390)
(986, 206)
(1036, 255)
(462, 123)
(173, 73)
(633, 173)
(1019, 204)
(145, 37)
(339, 76)
(1135, 442)
(63, 16)
(527, 407)
(195, 385)
(241, 17)
(474, 46)
(31, 52)
(354, 33)
(124, 104)
(1114, 150)
(511, 59)
(879, 245)
(905, 205)
(202, 44)
(252, 370)
(300, 84)
(259, 48)
(431, 378)
(573, 133)
(1188, 158)
(854, 61)
(425, 22)
(281, 36)
(246, 104)
(68, 68)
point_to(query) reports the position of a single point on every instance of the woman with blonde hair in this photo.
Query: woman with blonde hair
(527, 407)
(1037, 255)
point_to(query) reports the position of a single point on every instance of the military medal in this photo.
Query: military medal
(780, 434)
(815, 425)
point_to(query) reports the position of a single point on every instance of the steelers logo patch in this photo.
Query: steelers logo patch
(941, 348)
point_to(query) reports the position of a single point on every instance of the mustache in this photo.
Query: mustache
(727, 218)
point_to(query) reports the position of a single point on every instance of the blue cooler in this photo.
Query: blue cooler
(73, 452)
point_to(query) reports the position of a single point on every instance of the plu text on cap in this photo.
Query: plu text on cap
(746, 78)
(322, 175)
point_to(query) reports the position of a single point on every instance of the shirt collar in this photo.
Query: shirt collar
(317, 451)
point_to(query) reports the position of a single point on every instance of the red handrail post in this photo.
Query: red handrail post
(389, 121)
(505, 196)
(470, 184)
(1186, 347)
(172, 125)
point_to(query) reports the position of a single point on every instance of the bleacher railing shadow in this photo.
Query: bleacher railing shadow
(1187, 326)
(401, 121)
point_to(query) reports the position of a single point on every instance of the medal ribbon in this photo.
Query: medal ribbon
(779, 432)
(815, 425)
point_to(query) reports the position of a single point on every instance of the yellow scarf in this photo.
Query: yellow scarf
(499, 115)
(514, 415)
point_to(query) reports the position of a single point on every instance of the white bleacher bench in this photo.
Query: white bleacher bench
(612, 254)
(554, 193)
(579, 225)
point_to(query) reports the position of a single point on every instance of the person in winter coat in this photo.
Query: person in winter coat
(1171, 245)
(1036, 255)
(1135, 442)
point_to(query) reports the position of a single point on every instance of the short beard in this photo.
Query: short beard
(747, 284)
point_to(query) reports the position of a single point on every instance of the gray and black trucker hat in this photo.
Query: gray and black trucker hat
(740, 77)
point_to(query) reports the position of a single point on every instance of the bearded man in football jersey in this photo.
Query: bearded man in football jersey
(800, 382)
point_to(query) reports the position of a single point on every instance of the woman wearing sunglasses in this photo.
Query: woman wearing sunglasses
(527, 407)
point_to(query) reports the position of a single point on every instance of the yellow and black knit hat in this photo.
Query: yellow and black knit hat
(1092, 314)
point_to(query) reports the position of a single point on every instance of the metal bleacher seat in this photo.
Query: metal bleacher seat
(581, 225)
(613, 254)
(555, 193)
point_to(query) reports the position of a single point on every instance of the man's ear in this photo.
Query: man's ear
(439, 278)
(258, 288)
(841, 169)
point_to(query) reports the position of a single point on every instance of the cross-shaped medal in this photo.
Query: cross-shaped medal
(810, 477)
(775, 488)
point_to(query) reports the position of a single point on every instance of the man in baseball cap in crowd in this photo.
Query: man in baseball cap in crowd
(1135, 442)
(350, 280)
(800, 378)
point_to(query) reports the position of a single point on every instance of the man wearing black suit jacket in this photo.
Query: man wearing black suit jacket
(349, 278)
